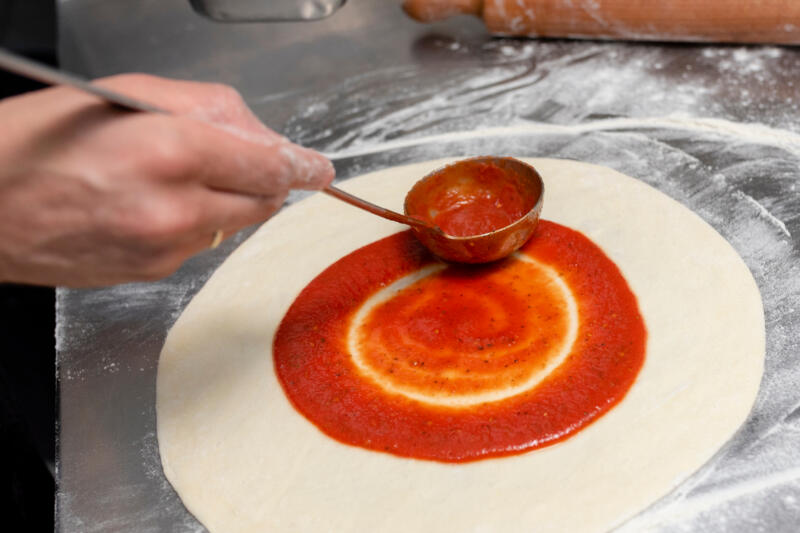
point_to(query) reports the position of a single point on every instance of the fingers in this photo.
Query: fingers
(227, 213)
(230, 148)
(177, 222)
(234, 161)
(231, 212)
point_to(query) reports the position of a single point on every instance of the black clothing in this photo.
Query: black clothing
(27, 324)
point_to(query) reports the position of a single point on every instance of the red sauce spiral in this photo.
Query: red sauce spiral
(390, 350)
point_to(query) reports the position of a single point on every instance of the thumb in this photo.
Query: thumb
(308, 169)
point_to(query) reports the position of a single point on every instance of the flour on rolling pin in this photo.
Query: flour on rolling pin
(746, 21)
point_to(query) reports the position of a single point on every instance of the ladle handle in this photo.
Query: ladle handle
(31, 69)
(45, 74)
(374, 209)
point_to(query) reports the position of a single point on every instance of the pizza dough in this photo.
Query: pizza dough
(243, 460)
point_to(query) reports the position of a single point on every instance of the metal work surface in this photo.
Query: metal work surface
(715, 127)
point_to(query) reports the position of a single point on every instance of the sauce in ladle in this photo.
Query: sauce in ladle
(486, 207)
(483, 204)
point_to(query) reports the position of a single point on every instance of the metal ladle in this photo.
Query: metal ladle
(481, 248)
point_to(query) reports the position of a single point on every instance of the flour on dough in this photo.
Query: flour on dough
(243, 460)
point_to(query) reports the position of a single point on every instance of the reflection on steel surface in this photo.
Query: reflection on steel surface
(266, 10)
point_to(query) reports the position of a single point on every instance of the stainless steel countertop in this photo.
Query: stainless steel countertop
(716, 127)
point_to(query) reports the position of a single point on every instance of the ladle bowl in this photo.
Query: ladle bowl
(464, 179)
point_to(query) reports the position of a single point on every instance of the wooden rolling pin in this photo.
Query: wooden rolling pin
(744, 21)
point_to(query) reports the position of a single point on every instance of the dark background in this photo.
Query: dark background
(27, 324)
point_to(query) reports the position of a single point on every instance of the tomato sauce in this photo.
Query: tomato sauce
(392, 351)
(486, 202)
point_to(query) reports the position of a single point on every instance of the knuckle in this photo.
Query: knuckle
(166, 227)
(168, 151)
(152, 244)
(157, 226)
(225, 104)
(226, 94)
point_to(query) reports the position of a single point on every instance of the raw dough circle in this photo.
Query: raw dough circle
(242, 459)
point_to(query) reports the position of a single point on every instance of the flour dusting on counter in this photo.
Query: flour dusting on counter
(540, 83)
(715, 127)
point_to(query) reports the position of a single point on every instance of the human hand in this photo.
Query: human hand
(92, 195)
